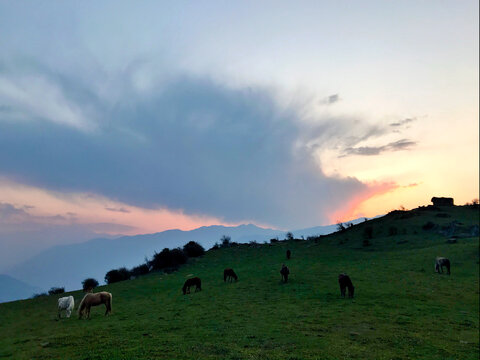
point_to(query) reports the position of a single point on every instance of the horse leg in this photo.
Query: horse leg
(342, 291)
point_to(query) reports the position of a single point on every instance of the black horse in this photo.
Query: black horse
(192, 282)
(289, 254)
(284, 271)
(440, 262)
(345, 282)
(229, 274)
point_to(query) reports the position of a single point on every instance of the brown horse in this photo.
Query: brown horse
(94, 299)
(285, 271)
(192, 282)
(229, 274)
(289, 254)
(345, 282)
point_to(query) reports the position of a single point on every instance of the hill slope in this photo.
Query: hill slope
(402, 309)
(67, 265)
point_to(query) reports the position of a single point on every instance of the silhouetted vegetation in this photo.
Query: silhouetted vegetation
(225, 241)
(89, 284)
(193, 249)
(168, 259)
(139, 270)
(117, 275)
(289, 236)
(56, 290)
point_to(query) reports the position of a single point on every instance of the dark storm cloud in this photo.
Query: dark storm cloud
(190, 144)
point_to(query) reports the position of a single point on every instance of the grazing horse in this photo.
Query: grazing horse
(345, 282)
(440, 262)
(284, 271)
(94, 299)
(289, 254)
(229, 274)
(66, 303)
(192, 282)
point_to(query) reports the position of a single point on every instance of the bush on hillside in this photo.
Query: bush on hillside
(167, 259)
(193, 249)
(289, 236)
(56, 290)
(139, 270)
(117, 275)
(89, 284)
(225, 241)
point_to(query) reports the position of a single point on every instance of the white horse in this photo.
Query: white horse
(66, 303)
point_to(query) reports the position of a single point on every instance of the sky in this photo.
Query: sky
(128, 118)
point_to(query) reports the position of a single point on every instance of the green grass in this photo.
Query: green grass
(401, 310)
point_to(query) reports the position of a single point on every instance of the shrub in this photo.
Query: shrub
(139, 270)
(193, 249)
(117, 275)
(368, 232)
(225, 241)
(340, 227)
(168, 259)
(89, 284)
(289, 236)
(274, 240)
(56, 290)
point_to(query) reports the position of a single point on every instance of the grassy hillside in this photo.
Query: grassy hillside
(401, 310)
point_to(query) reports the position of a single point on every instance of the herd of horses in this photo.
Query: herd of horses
(94, 299)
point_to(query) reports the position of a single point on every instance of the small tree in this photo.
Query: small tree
(89, 284)
(117, 275)
(56, 290)
(340, 226)
(226, 240)
(193, 249)
(289, 236)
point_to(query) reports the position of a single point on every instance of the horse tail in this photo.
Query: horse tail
(81, 307)
(224, 275)
(109, 302)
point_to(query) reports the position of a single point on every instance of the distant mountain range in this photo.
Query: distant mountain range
(13, 289)
(68, 265)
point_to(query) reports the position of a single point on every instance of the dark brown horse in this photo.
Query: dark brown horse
(192, 282)
(284, 271)
(289, 254)
(345, 282)
(94, 299)
(440, 262)
(229, 274)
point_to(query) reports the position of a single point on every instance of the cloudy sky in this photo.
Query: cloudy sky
(123, 118)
